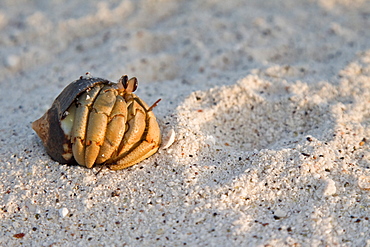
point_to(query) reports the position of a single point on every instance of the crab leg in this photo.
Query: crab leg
(145, 149)
(136, 127)
(79, 125)
(98, 120)
(115, 130)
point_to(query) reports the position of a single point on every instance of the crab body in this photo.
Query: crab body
(95, 121)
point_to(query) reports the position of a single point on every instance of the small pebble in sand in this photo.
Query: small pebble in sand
(63, 212)
(12, 61)
(364, 182)
(210, 140)
(330, 188)
(279, 213)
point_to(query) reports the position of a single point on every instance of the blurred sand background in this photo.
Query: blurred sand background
(269, 101)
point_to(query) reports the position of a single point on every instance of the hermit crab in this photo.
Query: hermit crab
(96, 121)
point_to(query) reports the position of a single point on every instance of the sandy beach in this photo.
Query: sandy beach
(268, 102)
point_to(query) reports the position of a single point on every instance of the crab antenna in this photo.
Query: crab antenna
(154, 105)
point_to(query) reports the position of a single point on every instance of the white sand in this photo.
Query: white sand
(269, 101)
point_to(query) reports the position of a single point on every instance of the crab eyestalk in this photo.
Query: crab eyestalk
(126, 85)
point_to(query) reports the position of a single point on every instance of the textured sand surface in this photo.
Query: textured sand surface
(269, 101)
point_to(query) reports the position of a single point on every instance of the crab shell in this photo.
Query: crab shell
(95, 121)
